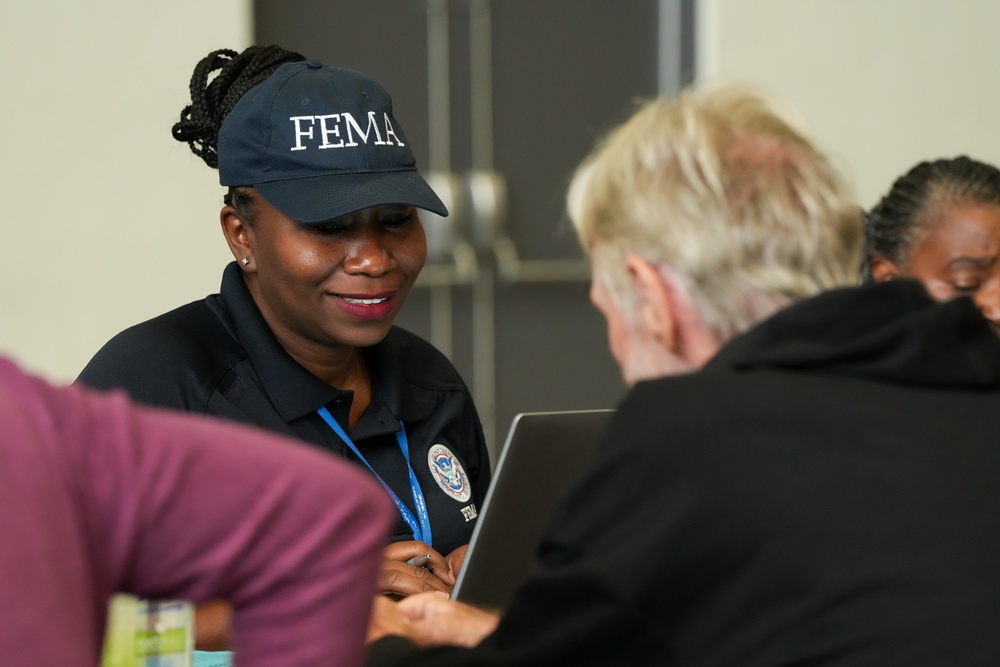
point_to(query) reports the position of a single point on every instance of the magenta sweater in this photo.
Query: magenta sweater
(99, 496)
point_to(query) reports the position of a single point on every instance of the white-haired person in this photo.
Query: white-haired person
(803, 471)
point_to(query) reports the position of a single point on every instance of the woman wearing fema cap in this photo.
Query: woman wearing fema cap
(321, 217)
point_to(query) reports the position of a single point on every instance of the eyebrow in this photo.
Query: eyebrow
(975, 262)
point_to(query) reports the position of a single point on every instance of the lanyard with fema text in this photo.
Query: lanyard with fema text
(422, 529)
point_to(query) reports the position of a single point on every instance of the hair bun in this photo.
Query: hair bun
(212, 98)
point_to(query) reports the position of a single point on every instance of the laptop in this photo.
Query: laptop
(545, 452)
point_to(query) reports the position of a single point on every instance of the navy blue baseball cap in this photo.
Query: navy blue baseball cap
(319, 142)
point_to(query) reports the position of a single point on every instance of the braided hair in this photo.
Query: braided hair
(891, 226)
(212, 98)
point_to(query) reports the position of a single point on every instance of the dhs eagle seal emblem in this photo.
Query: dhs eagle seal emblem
(449, 473)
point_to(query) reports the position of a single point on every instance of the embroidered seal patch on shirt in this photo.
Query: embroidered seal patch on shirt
(449, 473)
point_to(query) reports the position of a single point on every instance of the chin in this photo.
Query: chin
(365, 337)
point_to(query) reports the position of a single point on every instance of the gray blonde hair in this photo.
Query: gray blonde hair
(725, 187)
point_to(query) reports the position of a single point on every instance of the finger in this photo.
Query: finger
(428, 557)
(441, 568)
(408, 549)
(402, 579)
(456, 558)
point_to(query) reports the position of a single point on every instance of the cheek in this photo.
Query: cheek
(412, 252)
(618, 334)
(618, 342)
(307, 261)
(301, 266)
(928, 263)
(938, 289)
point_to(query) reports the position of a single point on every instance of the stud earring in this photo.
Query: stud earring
(245, 260)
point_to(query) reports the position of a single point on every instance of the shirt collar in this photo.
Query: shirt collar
(292, 389)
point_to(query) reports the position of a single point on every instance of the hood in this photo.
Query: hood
(892, 331)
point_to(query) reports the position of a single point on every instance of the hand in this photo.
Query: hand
(398, 579)
(436, 620)
(211, 626)
(386, 619)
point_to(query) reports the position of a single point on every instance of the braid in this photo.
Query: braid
(967, 180)
(212, 100)
(891, 226)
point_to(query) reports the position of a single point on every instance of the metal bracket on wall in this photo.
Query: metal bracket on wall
(473, 236)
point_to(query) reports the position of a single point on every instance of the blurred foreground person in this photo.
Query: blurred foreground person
(100, 496)
(802, 473)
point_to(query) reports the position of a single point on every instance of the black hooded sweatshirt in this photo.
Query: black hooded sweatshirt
(826, 491)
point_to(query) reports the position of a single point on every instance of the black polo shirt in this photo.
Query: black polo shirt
(218, 357)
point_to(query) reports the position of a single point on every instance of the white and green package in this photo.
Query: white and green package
(148, 633)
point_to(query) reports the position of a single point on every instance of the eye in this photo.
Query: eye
(399, 218)
(965, 282)
(966, 288)
(328, 228)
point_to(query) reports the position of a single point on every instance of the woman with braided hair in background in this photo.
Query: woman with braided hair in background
(321, 217)
(940, 224)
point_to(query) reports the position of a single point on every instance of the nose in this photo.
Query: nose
(369, 255)
(988, 301)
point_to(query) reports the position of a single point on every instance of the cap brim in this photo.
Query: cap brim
(319, 198)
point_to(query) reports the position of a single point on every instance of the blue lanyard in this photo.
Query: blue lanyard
(422, 529)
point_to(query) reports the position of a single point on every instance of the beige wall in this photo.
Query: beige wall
(105, 220)
(883, 83)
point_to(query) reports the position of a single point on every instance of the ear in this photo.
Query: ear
(656, 307)
(239, 237)
(884, 269)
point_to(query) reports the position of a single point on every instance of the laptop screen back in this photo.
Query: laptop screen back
(545, 452)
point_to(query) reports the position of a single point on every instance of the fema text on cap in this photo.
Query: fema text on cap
(333, 128)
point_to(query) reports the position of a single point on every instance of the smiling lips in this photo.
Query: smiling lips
(373, 307)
